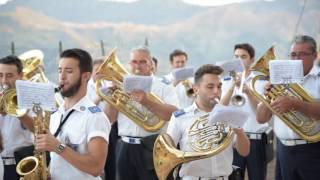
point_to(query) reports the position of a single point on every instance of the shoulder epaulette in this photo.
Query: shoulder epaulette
(94, 109)
(227, 78)
(179, 113)
(165, 81)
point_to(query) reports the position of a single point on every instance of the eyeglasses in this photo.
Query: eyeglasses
(141, 62)
(299, 54)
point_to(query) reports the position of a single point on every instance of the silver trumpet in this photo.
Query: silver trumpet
(238, 99)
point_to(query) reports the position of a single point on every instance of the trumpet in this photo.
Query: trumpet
(189, 89)
(238, 99)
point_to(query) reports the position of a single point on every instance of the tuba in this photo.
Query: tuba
(9, 103)
(112, 70)
(307, 128)
(206, 141)
(35, 167)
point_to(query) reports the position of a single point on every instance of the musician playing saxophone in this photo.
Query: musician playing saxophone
(79, 130)
(16, 132)
(207, 89)
(297, 159)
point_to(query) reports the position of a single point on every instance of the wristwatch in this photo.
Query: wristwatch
(60, 148)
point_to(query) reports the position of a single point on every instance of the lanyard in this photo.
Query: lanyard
(62, 123)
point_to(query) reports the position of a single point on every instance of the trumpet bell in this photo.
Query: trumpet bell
(238, 100)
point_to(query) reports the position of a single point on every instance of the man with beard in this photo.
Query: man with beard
(80, 130)
(16, 132)
(134, 154)
(207, 88)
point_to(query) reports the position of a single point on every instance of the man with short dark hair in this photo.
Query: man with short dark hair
(79, 145)
(255, 162)
(16, 132)
(207, 88)
(179, 59)
(297, 159)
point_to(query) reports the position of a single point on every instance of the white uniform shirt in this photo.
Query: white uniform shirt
(92, 94)
(311, 84)
(14, 135)
(180, 89)
(129, 128)
(85, 123)
(251, 125)
(218, 165)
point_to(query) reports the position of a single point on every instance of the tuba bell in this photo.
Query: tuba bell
(307, 128)
(35, 167)
(112, 70)
(207, 141)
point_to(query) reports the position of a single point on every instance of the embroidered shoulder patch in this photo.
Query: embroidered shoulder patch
(165, 81)
(179, 113)
(94, 109)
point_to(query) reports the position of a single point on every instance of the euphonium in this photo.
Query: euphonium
(206, 140)
(8, 102)
(35, 167)
(112, 70)
(307, 128)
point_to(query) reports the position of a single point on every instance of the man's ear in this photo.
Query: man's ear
(86, 76)
(195, 88)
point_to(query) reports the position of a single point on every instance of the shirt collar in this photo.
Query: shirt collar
(314, 71)
(80, 106)
(195, 109)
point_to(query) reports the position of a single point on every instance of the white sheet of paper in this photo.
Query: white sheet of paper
(229, 115)
(228, 66)
(183, 73)
(131, 82)
(286, 71)
(33, 92)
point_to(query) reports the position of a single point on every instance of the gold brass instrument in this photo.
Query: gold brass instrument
(189, 89)
(307, 128)
(112, 70)
(206, 141)
(35, 167)
(32, 66)
(238, 99)
(9, 103)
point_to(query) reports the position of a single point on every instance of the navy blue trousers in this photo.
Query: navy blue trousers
(255, 161)
(131, 161)
(299, 162)
(10, 172)
(110, 167)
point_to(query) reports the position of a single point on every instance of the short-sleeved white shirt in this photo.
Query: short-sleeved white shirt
(251, 125)
(14, 135)
(218, 165)
(311, 84)
(129, 128)
(86, 122)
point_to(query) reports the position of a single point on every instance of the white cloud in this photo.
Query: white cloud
(217, 2)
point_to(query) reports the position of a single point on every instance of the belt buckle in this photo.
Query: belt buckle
(131, 140)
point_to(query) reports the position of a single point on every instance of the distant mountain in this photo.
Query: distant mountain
(208, 35)
(140, 12)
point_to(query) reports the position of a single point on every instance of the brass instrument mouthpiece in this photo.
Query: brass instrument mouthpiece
(57, 89)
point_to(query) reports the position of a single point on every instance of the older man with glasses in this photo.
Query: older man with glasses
(297, 159)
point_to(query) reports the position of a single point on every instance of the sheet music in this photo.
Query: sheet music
(230, 115)
(286, 71)
(33, 92)
(183, 73)
(233, 65)
(131, 82)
